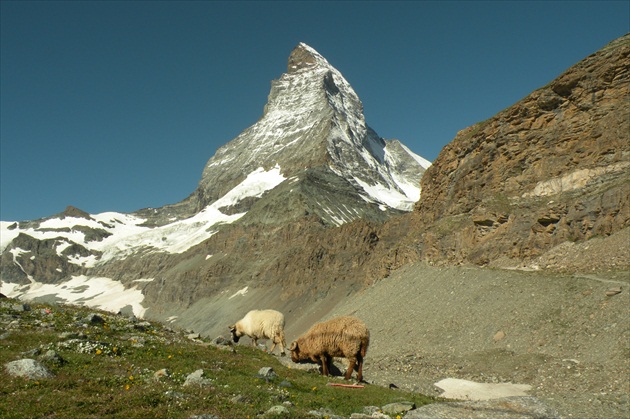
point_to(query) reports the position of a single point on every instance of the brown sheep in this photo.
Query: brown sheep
(346, 337)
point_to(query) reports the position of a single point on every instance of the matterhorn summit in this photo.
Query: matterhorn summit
(310, 162)
(313, 128)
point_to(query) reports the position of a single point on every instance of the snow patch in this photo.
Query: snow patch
(421, 160)
(386, 195)
(128, 236)
(455, 388)
(98, 292)
(239, 292)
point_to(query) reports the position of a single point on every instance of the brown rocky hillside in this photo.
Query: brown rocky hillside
(553, 168)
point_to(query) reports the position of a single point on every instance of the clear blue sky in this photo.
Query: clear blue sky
(117, 106)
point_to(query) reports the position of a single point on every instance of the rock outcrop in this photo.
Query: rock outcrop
(552, 168)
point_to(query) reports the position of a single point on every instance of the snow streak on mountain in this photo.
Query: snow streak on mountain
(314, 118)
(311, 153)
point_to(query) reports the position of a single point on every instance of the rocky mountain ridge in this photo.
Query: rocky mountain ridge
(308, 166)
(553, 168)
(313, 122)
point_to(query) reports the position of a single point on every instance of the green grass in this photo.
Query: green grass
(109, 372)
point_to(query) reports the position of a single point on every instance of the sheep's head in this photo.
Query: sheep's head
(295, 352)
(235, 334)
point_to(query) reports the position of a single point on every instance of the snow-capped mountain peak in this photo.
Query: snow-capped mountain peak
(310, 155)
(314, 118)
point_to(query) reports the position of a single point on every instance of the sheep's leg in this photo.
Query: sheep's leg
(281, 342)
(352, 362)
(278, 340)
(360, 370)
(324, 360)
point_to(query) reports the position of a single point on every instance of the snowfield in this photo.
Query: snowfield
(127, 236)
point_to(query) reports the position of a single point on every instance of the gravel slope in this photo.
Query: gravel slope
(561, 334)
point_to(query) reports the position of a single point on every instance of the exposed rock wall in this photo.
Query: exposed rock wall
(304, 258)
(552, 168)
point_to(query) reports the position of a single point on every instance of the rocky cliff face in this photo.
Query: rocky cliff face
(553, 168)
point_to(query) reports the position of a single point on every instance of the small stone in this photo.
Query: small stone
(398, 407)
(197, 378)
(500, 335)
(94, 318)
(161, 374)
(267, 373)
(276, 410)
(53, 357)
(68, 335)
(174, 394)
(613, 291)
(220, 340)
(21, 307)
(31, 352)
(239, 398)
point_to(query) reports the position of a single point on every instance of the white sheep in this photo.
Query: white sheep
(346, 337)
(261, 324)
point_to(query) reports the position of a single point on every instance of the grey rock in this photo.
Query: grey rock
(28, 368)
(94, 318)
(506, 408)
(239, 398)
(220, 340)
(21, 307)
(375, 415)
(31, 352)
(277, 410)
(70, 335)
(175, 395)
(127, 311)
(323, 413)
(398, 407)
(142, 326)
(53, 358)
(197, 378)
(267, 373)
